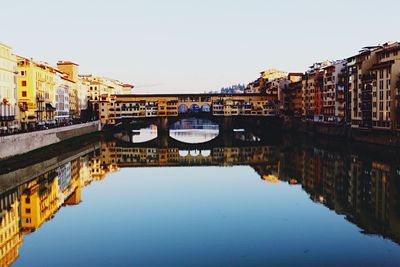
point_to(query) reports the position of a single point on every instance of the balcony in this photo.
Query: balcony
(7, 118)
(39, 98)
(368, 77)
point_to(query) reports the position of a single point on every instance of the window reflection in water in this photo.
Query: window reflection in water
(246, 135)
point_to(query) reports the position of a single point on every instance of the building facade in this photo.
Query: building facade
(36, 92)
(71, 69)
(373, 87)
(63, 86)
(8, 91)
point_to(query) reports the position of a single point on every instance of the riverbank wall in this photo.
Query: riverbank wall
(13, 145)
(345, 132)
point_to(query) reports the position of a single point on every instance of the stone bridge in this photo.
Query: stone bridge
(117, 109)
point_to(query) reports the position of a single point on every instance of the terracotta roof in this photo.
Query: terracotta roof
(66, 63)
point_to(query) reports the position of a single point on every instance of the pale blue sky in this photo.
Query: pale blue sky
(183, 46)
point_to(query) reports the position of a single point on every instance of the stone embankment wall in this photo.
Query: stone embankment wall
(17, 144)
(377, 137)
(15, 178)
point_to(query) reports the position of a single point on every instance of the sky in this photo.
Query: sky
(170, 46)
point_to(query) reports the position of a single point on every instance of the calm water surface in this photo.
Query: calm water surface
(240, 204)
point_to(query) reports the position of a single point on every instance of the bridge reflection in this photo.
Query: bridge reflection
(365, 190)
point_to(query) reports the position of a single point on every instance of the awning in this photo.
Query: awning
(3, 128)
(50, 107)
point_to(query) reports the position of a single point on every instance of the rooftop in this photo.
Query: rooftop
(61, 62)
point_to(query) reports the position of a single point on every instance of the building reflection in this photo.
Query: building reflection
(365, 191)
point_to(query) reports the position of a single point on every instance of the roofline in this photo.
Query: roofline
(66, 63)
(7, 46)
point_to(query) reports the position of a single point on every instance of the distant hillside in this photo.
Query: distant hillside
(233, 89)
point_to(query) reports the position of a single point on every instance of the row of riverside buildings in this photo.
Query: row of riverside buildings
(362, 91)
(35, 94)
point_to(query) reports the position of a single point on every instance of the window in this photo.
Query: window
(27, 200)
(24, 94)
(23, 83)
(28, 211)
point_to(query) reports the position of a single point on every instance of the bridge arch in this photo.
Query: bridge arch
(183, 108)
(194, 153)
(194, 130)
(183, 153)
(194, 108)
(206, 108)
(205, 153)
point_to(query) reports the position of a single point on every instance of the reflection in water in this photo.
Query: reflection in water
(141, 135)
(243, 135)
(363, 190)
(194, 131)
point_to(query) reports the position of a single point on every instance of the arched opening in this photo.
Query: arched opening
(194, 153)
(205, 108)
(194, 130)
(139, 135)
(205, 153)
(183, 109)
(183, 153)
(194, 108)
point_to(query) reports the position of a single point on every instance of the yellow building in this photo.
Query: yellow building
(10, 236)
(36, 91)
(39, 201)
(8, 92)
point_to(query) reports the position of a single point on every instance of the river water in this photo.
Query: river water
(205, 199)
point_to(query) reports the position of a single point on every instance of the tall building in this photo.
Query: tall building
(333, 101)
(83, 97)
(36, 92)
(71, 69)
(8, 91)
(360, 100)
(373, 87)
(312, 86)
(385, 76)
(63, 85)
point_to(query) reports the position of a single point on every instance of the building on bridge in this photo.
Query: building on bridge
(115, 108)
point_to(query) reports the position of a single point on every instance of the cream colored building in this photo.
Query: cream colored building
(8, 90)
(385, 75)
(271, 74)
(83, 94)
(374, 74)
(71, 69)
